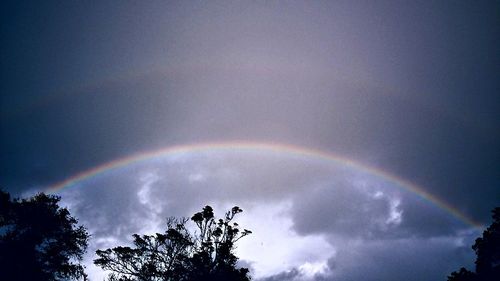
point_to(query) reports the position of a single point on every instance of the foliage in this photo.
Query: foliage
(462, 275)
(39, 240)
(487, 250)
(207, 254)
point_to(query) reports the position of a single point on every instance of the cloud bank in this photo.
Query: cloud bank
(311, 220)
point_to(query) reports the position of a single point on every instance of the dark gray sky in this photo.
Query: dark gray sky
(410, 88)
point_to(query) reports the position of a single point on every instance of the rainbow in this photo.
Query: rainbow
(260, 146)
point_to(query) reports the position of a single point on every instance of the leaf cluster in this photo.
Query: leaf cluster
(39, 240)
(487, 250)
(178, 254)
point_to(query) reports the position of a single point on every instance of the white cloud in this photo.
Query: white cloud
(310, 219)
(310, 270)
(396, 214)
(274, 246)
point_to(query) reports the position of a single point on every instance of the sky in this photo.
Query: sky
(361, 138)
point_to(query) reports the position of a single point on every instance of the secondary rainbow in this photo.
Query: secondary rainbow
(259, 146)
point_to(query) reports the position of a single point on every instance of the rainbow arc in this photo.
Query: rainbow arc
(235, 146)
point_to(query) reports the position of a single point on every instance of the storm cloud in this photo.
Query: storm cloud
(408, 89)
(324, 225)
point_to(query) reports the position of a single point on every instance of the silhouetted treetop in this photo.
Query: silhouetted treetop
(206, 254)
(39, 240)
(487, 249)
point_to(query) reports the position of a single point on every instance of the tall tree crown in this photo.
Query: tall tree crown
(487, 250)
(206, 254)
(39, 240)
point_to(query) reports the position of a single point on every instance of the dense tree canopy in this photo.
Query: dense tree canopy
(487, 249)
(39, 240)
(207, 254)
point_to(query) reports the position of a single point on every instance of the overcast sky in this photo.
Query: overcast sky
(408, 88)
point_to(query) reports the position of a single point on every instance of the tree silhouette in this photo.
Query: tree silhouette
(207, 254)
(487, 249)
(39, 240)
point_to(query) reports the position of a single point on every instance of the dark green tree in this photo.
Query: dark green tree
(207, 254)
(487, 250)
(39, 240)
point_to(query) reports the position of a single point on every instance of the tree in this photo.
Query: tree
(207, 254)
(487, 250)
(39, 240)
